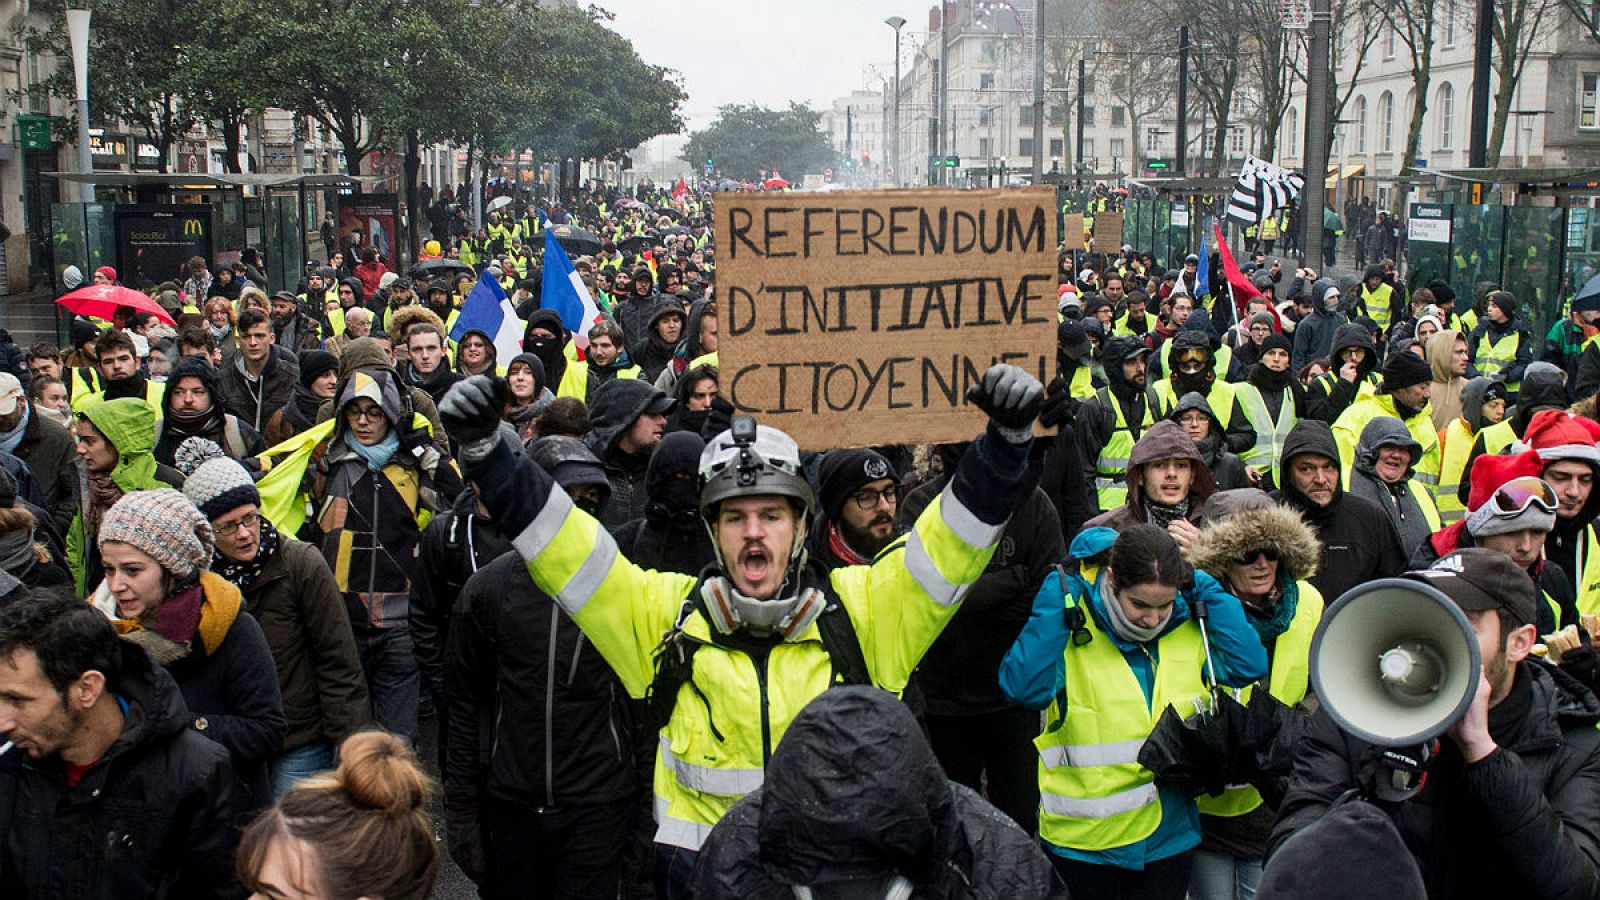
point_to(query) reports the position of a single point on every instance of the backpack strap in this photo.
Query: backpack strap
(1077, 624)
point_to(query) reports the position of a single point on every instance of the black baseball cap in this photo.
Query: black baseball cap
(1480, 579)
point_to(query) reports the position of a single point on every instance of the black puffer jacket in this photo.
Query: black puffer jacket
(1522, 822)
(151, 819)
(1358, 543)
(561, 742)
(884, 806)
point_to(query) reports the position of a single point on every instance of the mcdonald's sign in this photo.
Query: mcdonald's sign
(194, 228)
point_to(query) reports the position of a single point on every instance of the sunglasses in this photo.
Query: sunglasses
(1250, 557)
(1516, 495)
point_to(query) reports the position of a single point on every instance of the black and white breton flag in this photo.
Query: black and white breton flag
(1262, 189)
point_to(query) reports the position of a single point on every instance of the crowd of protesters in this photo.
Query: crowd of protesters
(247, 558)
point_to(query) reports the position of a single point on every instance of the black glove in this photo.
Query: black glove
(472, 409)
(1010, 396)
(466, 842)
(1060, 407)
(1583, 664)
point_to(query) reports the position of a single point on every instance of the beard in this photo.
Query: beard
(1500, 672)
(864, 540)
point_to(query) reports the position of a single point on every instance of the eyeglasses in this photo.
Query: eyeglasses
(248, 520)
(1516, 495)
(367, 413)
(1249, 557)
(869, 499)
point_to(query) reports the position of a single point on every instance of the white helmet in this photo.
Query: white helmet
(750, 460)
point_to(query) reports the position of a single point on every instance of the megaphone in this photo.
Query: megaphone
(1395, 662)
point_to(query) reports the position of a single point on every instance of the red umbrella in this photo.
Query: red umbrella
(102, 301)
(773, 184)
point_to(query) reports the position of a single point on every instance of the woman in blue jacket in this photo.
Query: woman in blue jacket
(1111, 642)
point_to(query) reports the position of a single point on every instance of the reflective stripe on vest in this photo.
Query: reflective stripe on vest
(1291, 671)
(1111, 469)
(1219, 398)
(1377, 304)
(1455, 444)
(1093, 794)
(1270, 435)
(1495, 357)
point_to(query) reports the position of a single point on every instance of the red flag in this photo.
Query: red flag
(1243, 291)
(679, 189)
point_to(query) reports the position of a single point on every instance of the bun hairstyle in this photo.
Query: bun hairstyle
(365, 824)
(1146, 554)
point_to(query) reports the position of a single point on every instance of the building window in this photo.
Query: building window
(983, 118)
(1055, 115)
(1055, 146)
(1088, 114)
(986, 81)
(1390, 38)
(1088, 150)
(1025, 147)
(1361, 124)
(1236, 138)
(1152, 140)
(1291, 133)
(1447, 115)
(1449, 23)
(1386, 123)
(983, 147)
(1026, 114)
(1588, 100)
(1088, 83)
(1119, 115)
(1119, 148)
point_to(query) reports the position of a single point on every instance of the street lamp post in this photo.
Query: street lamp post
(78, 31)
(897, 23)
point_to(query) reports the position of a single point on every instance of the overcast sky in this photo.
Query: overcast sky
(767, 51)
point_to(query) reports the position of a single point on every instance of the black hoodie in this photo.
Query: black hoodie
(854, 790)
(670, 537)
(1330, 395)
(617, 405)
(1358, 543)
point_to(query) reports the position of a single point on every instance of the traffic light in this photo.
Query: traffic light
(849, 163)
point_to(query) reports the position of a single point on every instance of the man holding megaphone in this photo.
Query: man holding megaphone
(1486, 759)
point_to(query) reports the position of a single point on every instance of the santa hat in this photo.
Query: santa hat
(1490, 473)
(1558, 434)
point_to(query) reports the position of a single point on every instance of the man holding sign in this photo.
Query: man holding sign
(729, 658)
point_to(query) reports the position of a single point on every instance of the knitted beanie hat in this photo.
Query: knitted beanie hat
(165, 526)
(1402, 370)
(220, 486)
(1490, 473)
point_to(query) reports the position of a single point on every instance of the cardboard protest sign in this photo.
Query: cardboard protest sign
(1108, 232)
(851, 319)
(1073, 232)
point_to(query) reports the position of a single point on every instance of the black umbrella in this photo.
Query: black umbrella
(1588, 299)
(440, 268)
(676, 229)
(636, 244)
(575, 239)
(1228, 745)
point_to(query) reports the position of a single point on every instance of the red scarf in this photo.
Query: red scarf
(837, 544)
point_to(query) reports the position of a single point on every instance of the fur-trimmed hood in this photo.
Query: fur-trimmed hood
(403, 318)
(1275, 527)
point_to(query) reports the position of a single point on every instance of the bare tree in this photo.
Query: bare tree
(1216, 55)
(1069, 36)
(1415, 21)
(1585, 14)
(1270, 67)
(1516, 25)
(1357, 25)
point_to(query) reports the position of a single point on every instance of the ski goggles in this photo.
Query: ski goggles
(1191, 361)
(1515, 496)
